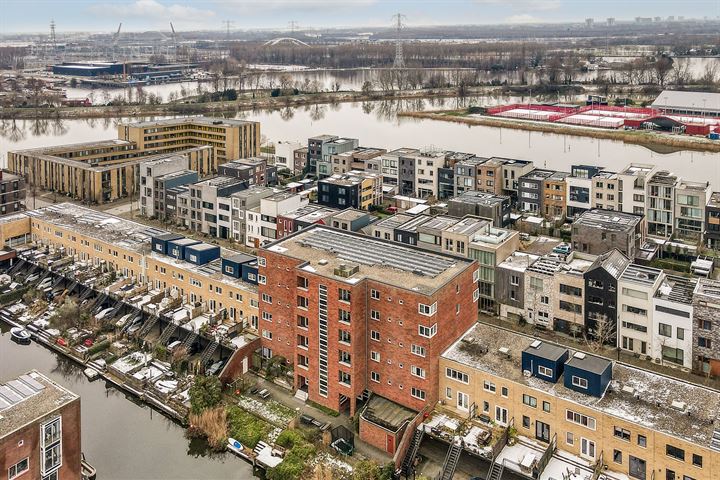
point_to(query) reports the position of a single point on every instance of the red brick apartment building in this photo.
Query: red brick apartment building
(357, 315)
(39, 430)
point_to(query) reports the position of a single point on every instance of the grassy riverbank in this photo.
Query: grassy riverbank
(634, 137)
(243, 103)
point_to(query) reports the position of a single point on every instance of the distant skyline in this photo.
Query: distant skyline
(138, 15)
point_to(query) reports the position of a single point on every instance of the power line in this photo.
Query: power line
(399, 25)
(228, 24)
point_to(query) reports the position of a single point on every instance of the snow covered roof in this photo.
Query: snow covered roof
(635, 395)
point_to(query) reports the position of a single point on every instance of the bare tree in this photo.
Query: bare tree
(662, 66)
(602, 334)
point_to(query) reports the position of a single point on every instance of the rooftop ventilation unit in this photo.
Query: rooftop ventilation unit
(346, 271)
(628, 389)
(322, 262)
(504, 351)
(579, 355)
(536, 344)
(678, 405)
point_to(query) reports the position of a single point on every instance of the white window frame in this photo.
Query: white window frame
(427, 332)
(427, 310)
(457, 375)
(417, 350)
(580, 419)
(417, 371)
(418, 393)
(489, 386)
(375, 377)
(14, 468)
(579, 382)
(262, 262)
(545, 371)
(53, 443)
(375, 356)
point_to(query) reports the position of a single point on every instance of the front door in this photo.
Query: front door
(390, 444)
(542, 431)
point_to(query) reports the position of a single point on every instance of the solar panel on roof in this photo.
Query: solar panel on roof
(21, 388)
(31, 382)
(361, 251)
(9, 395)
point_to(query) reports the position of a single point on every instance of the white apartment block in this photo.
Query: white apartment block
(261, 222)
(636, 289)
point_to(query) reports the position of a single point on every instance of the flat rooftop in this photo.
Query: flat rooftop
(386, 413)
(99, 225)
(412, 268)
(351, 214)
(637, 169)
(677, 289)
(28, 398)
(351, 178)
(479, 198)
(519, 261)
(220, 182)
(646, 401)
(609, 220)
(206, 121)
(708, 288)
(392, 222)
(663, 177)
(538, 174)
(641, 274)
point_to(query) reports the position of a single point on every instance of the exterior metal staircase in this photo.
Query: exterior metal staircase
(451, 461)
(189, 340)
(412, 451)
(496, 470)
(147, 326)
(207, 353)
(167, 333)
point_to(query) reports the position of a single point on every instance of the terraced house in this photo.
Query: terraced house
(613, 419)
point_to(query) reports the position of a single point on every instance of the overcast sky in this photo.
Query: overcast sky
(104, 15)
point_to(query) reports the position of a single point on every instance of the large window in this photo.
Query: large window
(529, 400)
(621, 433)
(427, 310)
(427, 332)
(457, 375)
(580, 419)
(51, 445)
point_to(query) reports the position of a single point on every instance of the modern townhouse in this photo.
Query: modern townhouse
(711, 235)
(555, 193)
(261, 221)
(672, 322)
(203, 207)
(356, 189)
(580, 189)
(241, 202)
(554, 292)
(512, 170)
(356, 159)
(660, 203)
(359, 316)
(330, 148)
(149, 256)
(300, 160)
(385, 228)
(706, 327)
(605, 193)
(510, 285)
(291, 222)
(489, 176)
(601, 287)
(352, 220)
(427, 164)
(690, 201)
(391, 168)
(636, 288)
(632, 182)
(487, 205)
(285, 155)
(531, 191)
(599, 231)
(578, 413)
(253, 171)
(151, 196)
(466, 174)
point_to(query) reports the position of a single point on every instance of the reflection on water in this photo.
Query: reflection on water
(376, 124)
(122, 438)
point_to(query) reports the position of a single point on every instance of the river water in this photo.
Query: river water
(124, 440)
(376, 124)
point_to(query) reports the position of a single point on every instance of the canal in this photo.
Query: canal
(376, 124)
(123, 439)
